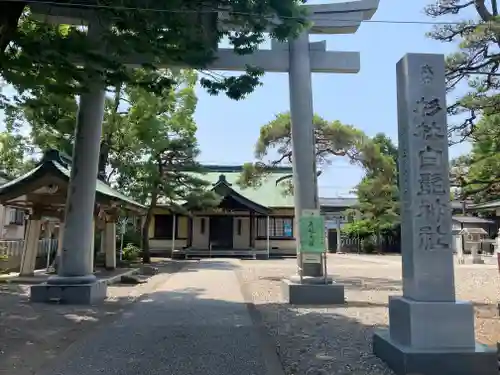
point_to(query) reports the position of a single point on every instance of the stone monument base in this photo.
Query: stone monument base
(312, 291)
(432, 338)
(74, 294)
(404, 360)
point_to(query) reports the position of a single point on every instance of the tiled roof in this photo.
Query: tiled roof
(493, 205)
(57, 163)
(472, 220)
(267, 194)
(102, 188)
(337, 202)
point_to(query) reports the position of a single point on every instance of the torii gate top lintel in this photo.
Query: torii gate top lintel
(332, 18)
(326, 19)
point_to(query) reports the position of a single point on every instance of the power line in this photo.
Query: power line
(187, 11)
(331, 168)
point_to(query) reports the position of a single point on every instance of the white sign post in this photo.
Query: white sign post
(312, 239)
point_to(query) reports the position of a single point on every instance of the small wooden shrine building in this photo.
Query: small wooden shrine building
(42, 193)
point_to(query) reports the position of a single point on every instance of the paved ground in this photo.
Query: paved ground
(196, 323)
(33, 335)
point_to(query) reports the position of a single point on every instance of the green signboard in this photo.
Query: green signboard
(312, 232)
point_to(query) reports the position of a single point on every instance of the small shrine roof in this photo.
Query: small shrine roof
(58, 166)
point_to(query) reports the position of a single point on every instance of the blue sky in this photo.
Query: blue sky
(228, 130)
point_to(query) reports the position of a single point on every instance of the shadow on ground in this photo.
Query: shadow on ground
(32, 334)
(221, 334)
(334, 342)
(358, 283)
(158, 334)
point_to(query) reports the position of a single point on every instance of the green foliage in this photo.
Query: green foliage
(158, 164)
(14, 154)
(130, 237)
(162, 146)
(358, 229)
(478, 173)
(148, 145)
(378, 193)
(131, 253)
(333, 139)
(51, 121)
(474, 63)
(368, 245)
(37, 54)
(3, 264)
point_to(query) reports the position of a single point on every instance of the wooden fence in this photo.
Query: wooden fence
(14, 248)
(386, 244)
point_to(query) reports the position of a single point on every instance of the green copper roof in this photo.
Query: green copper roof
(268, 194)
(103, 188)
(55, 163)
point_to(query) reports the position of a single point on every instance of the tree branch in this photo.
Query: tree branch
(483, 12)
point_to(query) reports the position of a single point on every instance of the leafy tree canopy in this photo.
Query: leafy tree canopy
(34, 53)
(476, 62)
(14, 154)
(159, 165)
(378, 194)
(478, 173)
(148, 145)
(333, 139)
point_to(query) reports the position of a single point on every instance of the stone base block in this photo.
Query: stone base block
(74, 294)
(312, 294)
(447, 324)
(404, 360)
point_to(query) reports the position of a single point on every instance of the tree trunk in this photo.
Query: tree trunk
(107, 141)
(10, 12)
(103, 160)
(146, 255)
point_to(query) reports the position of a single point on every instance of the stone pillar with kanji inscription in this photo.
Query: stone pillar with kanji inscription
(429, 333)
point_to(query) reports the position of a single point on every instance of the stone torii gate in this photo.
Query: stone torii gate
(298, 57)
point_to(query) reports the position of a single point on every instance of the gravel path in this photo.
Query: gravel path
(196, 323)
(337, 340)
(34, 335)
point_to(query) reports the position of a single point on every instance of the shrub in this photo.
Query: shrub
(131, 252)
(368, 246)
(129, 237)
(3, 262)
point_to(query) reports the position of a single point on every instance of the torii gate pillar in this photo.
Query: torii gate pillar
(75, 282)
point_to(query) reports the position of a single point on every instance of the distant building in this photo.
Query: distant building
(333, 210)
(255, 220)
(12, 220)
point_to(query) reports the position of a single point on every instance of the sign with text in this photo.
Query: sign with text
(311, 258)
(312, 232)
